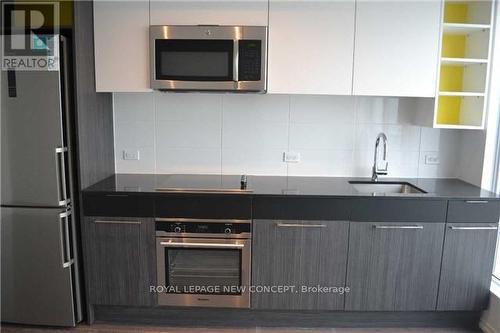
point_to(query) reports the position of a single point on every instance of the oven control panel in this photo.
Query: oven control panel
(203, 227)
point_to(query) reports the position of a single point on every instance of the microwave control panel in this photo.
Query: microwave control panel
(249, 63)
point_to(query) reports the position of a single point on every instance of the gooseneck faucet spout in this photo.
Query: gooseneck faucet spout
(380, 167)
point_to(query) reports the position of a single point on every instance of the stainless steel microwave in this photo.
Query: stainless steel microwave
(208, 58)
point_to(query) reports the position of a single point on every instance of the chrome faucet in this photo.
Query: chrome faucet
(380, 167)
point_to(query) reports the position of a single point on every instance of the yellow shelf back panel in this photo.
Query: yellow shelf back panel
(453, 46)
(455, 12)
(449, 110)
(451, 78)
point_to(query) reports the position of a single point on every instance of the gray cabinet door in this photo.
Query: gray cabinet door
(469, 251)
(301, 254)
(120, 260)
(394, 266)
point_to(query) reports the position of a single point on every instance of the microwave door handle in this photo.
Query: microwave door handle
(236, 57)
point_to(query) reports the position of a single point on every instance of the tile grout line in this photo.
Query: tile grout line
(287, 172)
(419, 150)
(115, 157)
(355, 140)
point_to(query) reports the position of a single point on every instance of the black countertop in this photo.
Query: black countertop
(284, 186)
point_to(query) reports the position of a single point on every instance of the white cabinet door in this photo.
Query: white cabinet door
(219, 12)
(121, 45)
(311, 47)
(397, 47)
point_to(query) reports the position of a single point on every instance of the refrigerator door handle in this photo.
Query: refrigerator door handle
(66, 259)
(61, 175)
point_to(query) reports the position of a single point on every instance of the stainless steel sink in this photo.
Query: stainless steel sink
(385, 187)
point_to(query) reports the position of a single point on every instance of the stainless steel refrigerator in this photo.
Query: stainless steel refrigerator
(39, 259)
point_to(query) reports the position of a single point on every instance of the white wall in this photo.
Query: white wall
(247, 133)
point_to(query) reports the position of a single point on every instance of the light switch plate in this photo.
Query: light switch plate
(291, 157)
(131, 154)
(432, 159)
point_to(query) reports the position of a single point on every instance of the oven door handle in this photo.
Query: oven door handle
(202, 245)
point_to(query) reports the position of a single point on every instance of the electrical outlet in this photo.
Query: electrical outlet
(129, 154)
(432, 159)
(291, 157)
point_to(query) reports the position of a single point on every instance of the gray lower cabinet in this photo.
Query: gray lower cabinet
(300, 254)
(469, 251)
(394, 266)
(120, 260)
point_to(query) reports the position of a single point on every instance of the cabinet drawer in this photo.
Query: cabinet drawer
(134, 205)
(473, 211)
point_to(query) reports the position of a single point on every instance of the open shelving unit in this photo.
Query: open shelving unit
(464, 65)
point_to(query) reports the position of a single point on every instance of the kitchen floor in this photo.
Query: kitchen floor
(105, 328)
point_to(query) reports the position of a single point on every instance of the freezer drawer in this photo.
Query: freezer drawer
(33, 144)
(36, 260)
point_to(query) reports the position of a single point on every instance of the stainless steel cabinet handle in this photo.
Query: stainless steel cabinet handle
(61, 175)
(474, 228)
(202, 245)
(476, 201)
(398, 226)
(116, 222)
(65, 240)
(298, 225)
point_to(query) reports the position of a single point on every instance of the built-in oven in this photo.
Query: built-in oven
(203, 262)
(205, 58)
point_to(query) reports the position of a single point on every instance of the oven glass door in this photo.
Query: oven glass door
(203, 271)
(194, 59)
(203, 266)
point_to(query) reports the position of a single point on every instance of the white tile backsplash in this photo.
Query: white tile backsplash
(146, 163)
(324, 136)
(134, 107)
(399, 137)
(253, 161)
(188, 160)
(322, 109)
(250, 108)
(321, 162)
(184, 134)
(247, 134)
(188, 108)
(380, 110)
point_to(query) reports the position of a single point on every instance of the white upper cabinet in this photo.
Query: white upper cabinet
(121, 45)
(311, 47)
(397, 47)
(218, 12)
(334, 47)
